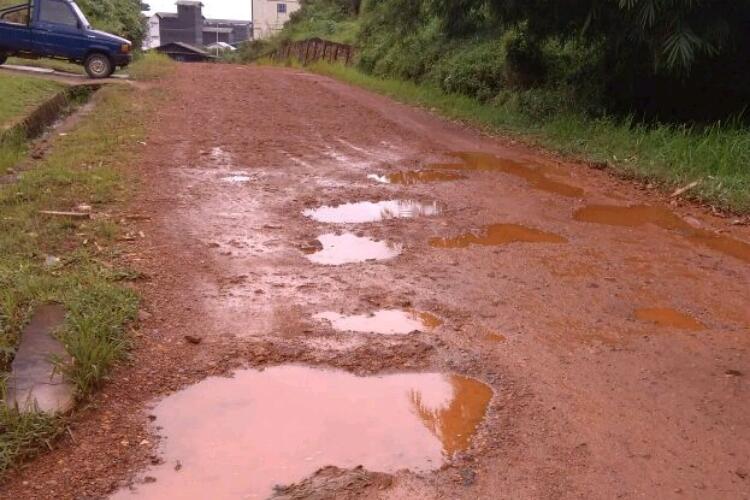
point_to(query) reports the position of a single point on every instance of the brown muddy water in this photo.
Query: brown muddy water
(366, 211)
(347, 248)
(640, 215)
(498, 234)
(236, 438)
(535, 176)
(669, 318)
(409, 178)
(385, 322)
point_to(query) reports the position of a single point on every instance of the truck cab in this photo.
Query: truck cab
(59, 29)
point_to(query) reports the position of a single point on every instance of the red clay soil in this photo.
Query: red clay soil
(578, 326)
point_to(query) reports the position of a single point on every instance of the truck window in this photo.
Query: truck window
(56, 12)
(20, 16)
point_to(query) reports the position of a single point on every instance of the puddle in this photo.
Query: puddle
(386, 322)
(630, 216)
(535, 177)
(498, 234)
(669, 318)
(366, 211)
(416, 177)
(641, 215)
(236, 179)
(348, 248)
(238, 437)
(35, 382)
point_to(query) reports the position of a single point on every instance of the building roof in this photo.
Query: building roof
(229, 21)
(209, 29)
(186, 46)
(189, 2)
(166, 14)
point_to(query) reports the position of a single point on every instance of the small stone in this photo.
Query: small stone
(191, 339)
(84, 208)
(51, 261)
(124, 442)
(144, 315)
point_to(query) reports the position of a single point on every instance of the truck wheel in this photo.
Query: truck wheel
(98, 66)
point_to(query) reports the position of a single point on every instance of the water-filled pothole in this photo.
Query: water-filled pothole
(534, 176)
(498, 234)
(386, 322)
(366, 211)
(640, 215)
(238, 437)
(408, 178)
(347, 248)
(669, 318)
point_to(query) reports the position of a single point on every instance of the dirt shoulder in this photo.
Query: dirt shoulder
(589, 400)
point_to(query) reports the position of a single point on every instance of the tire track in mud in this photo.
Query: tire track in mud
(588, 398)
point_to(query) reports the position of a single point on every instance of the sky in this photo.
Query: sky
(217, 9)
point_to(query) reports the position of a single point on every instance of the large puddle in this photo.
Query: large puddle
(669, 318)
(641, 215)
(366, 211)
(498, 234)
(386, 322)
(347, 248)
(409, 178)
(534, 176)
(234, 438)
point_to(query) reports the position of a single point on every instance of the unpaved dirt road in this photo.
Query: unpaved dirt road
(560, 347)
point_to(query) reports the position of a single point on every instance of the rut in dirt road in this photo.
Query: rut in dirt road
(469, 316)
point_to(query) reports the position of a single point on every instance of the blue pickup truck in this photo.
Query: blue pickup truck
(58, 29)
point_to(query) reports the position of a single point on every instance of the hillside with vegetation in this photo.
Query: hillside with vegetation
(657, 88)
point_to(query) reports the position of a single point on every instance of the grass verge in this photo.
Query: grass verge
(668, 156)
(87, 166)
(21, 94)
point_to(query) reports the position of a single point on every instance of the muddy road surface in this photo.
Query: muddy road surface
(345, 297)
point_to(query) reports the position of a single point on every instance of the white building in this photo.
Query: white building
(153, 35)
(269, 16)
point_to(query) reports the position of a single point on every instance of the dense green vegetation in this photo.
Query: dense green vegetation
(656, 88)
(121, 17)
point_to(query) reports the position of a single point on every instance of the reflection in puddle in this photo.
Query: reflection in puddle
(535, 177)
(669, 318)
(498, 234)
(641, 215)
(238, 437)
(236, 179)
(348, 248)
(416, 177)
(366, 211)
(386, 322)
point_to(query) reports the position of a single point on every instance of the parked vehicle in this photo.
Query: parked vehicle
(58, 29)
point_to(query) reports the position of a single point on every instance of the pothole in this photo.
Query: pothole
(347, 248)
(669, 318)
(386, 322)
(640, 215)
(535, 177)
(366, 211)
(416, 177)
(498, 234)
(238, 437)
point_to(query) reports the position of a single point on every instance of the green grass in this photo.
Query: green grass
(22, 94)
(151, 66)
(668, 156)
(85, 166)
(56, 64)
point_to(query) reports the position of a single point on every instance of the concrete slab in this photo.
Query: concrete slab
(33, 382)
